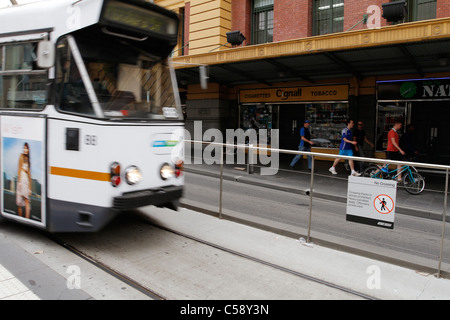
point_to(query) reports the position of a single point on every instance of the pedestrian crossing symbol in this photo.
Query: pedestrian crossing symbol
(383, 204)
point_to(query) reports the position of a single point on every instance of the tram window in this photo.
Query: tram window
(126, 83)
(22, 84)
(23, 91)
(132, 90)
(72, 93)
(20, 57)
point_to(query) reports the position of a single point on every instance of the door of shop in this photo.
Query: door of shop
(291, 118)
(432, 130)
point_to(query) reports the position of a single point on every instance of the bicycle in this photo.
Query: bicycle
(412, 180)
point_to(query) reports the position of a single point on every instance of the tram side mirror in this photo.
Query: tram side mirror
(204, 76)
(45, 54)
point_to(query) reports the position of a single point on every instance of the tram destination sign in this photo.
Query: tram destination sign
(142, 19)
(417, 89)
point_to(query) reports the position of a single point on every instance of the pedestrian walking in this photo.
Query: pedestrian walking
(345, 148)
(305, 145)
(393, 150)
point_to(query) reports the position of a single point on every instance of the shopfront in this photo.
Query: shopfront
(286, 108)
(422, 103)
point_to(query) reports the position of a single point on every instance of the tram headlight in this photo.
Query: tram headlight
(133, 175)
(167, 171)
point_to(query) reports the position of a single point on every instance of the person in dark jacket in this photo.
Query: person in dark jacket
(305, 145)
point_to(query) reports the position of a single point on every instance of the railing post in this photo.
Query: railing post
(444, 215)
(221, 182)
(308, 238)
(250, 159)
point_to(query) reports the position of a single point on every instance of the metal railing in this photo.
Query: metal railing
(251, 150)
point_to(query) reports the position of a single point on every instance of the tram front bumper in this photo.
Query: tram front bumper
(164, 196)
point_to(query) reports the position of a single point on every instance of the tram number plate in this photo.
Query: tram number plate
(90, 140)
(170, 112)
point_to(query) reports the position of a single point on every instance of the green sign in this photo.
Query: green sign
(408, 89)
(426, 89)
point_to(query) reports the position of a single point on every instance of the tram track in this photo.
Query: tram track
(136, 284)
(269, 264)
(116, 274)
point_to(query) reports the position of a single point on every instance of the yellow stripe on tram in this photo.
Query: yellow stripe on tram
(81, 174)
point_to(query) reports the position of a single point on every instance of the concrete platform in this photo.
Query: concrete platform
(369, 276)
(35, 268)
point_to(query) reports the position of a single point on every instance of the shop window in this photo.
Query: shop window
(22, 83)
(327, 121)
(328, 16)
(257, 117)
(262, 21)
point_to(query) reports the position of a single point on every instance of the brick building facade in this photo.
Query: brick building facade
(315, 44)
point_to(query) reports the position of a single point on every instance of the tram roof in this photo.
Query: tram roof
(59, 16)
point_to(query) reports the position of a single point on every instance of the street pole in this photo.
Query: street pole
(444, 215)
(308, 239)
(221, 182)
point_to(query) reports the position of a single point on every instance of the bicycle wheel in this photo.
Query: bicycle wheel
(413, 182)
(373, 172)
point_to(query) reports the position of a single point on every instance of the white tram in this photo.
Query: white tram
(90, 117)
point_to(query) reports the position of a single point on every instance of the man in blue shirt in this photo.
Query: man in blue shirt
(305, 144)
(345, 149)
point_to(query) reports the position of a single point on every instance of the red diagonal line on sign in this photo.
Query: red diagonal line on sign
(389, 211)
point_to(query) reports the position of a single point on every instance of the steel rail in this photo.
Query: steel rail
(323, 155)
(266, 263)
(118, 275)
(156, 296)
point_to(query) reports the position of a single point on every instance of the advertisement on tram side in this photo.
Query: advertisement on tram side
(23, 168)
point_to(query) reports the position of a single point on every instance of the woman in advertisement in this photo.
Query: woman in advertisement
(23, 190)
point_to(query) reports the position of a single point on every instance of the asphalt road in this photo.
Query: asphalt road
(413, 240)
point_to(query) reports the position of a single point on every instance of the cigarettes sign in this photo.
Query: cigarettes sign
(295, 94)
(371, 201)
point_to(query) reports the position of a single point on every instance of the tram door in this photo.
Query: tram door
(432, 130)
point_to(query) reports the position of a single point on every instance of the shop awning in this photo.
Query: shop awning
(417, 48)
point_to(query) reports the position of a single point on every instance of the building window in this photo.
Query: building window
(328, 16)
(421, 10)
(181, 33)
(262, 21)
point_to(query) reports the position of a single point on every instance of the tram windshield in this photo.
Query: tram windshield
(113, 79)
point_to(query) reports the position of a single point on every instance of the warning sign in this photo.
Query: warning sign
(371, 201)
(383, 204)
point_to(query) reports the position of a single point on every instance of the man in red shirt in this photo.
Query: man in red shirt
(393, 151)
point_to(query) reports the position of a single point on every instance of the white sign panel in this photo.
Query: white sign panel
(371, 201)
(23, 168)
